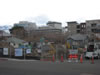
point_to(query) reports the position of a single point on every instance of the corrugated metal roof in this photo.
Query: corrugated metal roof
(15, 40)
(78, 37)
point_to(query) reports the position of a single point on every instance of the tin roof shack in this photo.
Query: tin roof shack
(77, 40)
(18, 43)
(15, 42)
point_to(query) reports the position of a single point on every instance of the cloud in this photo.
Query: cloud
(40, 20)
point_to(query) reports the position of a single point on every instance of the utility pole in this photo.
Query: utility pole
(24, 51)
(9, 50)
(56, 53)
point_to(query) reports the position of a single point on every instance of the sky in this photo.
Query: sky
(42, 11)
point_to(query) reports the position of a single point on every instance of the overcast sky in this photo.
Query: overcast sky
(41, 11)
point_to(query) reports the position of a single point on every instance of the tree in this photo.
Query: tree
(18, 32)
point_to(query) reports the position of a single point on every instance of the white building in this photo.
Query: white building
(51, 27)
(27, 25)
(46, 27)
(54, 25)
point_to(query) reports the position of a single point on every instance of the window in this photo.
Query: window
(93, 25)
(98, 30)
(78, 26)
(93, 30)
(84, 26)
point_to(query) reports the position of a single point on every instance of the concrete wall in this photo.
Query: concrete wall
(56, 25)
(72, 27)
(89, 23)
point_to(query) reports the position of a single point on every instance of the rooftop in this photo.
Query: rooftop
(15, 40)
(93, 20)
(82, 23)
(72, 22)
(78, 37)
(53, 22)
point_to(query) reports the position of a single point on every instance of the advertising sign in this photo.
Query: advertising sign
(5, 51)
(28, 51)
(73, 51)
(18, 52)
